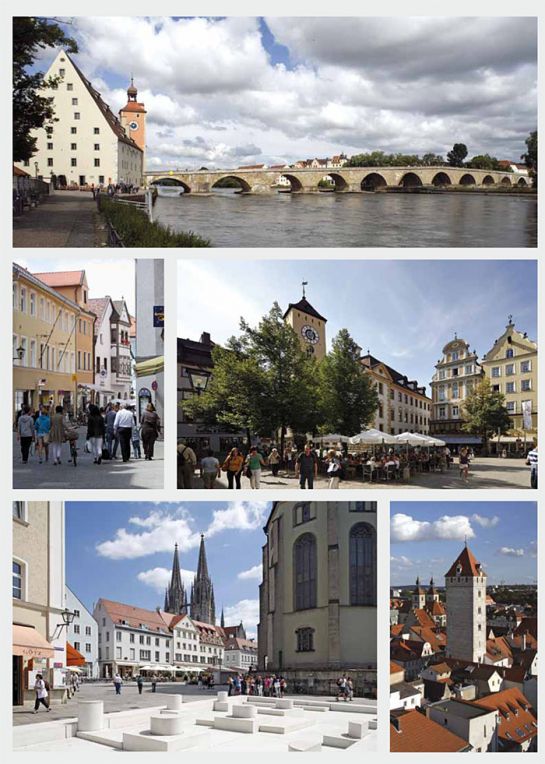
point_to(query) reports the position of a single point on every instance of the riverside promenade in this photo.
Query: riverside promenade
(63, 219)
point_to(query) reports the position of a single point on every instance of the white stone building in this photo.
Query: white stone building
(82, 633)
(113, 358)
(468, 721)
(131, 639)
(149, 344)
(87, 144)
(240, 654)
(186, 647)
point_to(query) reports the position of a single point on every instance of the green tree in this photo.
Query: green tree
(31, 108)
(484, 162)
(484, 412)
(348, 399)
(456, 156)
(262, 382)
(530, 157)
(433, 160)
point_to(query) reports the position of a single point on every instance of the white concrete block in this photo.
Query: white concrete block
(357, 729)
(284, 726)
(299, 712)
(144, 741)
(336, 741)
(111, 738)
(372, 724)
(90, 715)
(284, 703)
(222, 696)
(351, 708)
(44, 732)
(173, 702)
(315, 709)
(166, 725)
(305, 745)
(244, 712)
(205, 722)
(233, 724)
(220, 705)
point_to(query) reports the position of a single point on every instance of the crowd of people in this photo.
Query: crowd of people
(268, 686)
(307, 463)
(115, 427)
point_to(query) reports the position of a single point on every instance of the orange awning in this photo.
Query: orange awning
(28, 642)
(73, 656)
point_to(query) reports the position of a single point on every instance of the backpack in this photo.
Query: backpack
(46, 685)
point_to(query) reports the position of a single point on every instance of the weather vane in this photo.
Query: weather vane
(304, 284)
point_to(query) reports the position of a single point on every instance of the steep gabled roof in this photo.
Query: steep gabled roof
(305, 307)
(518, 719)
(468, 563)
(122, 614)
(413, 732)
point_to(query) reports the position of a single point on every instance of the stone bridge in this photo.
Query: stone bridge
(346, 179)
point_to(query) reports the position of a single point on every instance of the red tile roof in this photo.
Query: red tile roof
(468, 563)
(413, 731)
(498, 649)
(134, 106)
(134, 616)
(61, 278)
(516, 715)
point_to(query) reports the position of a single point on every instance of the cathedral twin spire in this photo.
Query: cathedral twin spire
(201, 605)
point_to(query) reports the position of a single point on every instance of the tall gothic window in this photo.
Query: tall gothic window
(304, 566)
(363, 565)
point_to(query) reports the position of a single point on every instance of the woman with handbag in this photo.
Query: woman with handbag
(254, 463)
(150, 430)
(233, 466)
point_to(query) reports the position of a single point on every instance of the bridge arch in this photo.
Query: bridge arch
(505, 181)
(441, 179)
(467, 180)
(372, 181)
(295, 183)
(488, 180)
(410, 180)
(522, 182)
(169, 181)
(338, 180)
(242, 184)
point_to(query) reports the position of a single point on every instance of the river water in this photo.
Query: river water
(355, 220)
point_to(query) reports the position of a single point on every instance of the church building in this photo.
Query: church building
(318, 597)
(88, 144)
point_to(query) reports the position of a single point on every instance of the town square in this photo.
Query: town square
(395, 386)
(156, 619)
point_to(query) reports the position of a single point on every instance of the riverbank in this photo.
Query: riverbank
(67, 219)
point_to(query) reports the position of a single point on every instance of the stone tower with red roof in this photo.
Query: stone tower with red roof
(133, 118)
(465, 584)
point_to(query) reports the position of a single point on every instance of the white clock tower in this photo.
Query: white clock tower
(308, 325)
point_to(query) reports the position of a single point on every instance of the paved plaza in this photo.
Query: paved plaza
(63, 219)
(492, 472)
(138, 473)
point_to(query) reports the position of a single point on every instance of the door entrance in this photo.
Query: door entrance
(17, 680)
(82, 180)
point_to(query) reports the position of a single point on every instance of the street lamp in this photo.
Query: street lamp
(36, 169)
(67, 618)
(199, 380)
(20, 351)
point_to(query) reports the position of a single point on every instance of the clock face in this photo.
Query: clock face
(133, 125)
(310, 334)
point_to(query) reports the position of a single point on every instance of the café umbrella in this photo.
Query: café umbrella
(372, 437)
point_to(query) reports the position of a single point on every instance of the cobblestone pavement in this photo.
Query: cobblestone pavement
(138, 473)
(129, 699)
(484, 473)
(63, 219)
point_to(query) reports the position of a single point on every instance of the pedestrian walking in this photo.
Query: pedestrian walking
(187, 461)
(151, 429)
(140, 683)
(274, 461)
(118, 682)
(42, 426)
(123, 425)
(210, 469)
(41, 688)
(233, 466)
(96, 432)
(463, 460)
(135, 440)
(111, 439)
(26, 433)
(154, 682)
(254, 463)
(306, 467)
(229, 686)
(334, 469)
(57, 434)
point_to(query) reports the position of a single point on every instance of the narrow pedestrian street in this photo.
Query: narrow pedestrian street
(63, 219)
(138, 473)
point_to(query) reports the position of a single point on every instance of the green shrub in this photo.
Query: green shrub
(135, 230)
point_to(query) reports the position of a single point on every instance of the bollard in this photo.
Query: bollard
(90, 715)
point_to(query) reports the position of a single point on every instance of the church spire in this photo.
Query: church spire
(203, 606)
(175, 594)
(202, 566)
(222, 620)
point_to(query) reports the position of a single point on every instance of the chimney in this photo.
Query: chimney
(205, 338)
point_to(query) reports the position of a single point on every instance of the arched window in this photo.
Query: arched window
(363, 565)
(305, 640)
(304, 572)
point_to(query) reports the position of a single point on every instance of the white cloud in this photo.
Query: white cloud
(161, 530)
(246, 611)
(401, 562)
(239, 515)
(159, 578)
(406, 528)
(509, 551)
(255, 572)
(485, 522)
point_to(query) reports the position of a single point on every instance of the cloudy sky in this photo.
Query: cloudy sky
(426, 537)
(231, 91)
(123, 551)
(402, 310)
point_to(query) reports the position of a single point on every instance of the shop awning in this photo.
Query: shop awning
(73, 656)
(150, 366)
(28, 642)
(464, 440)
